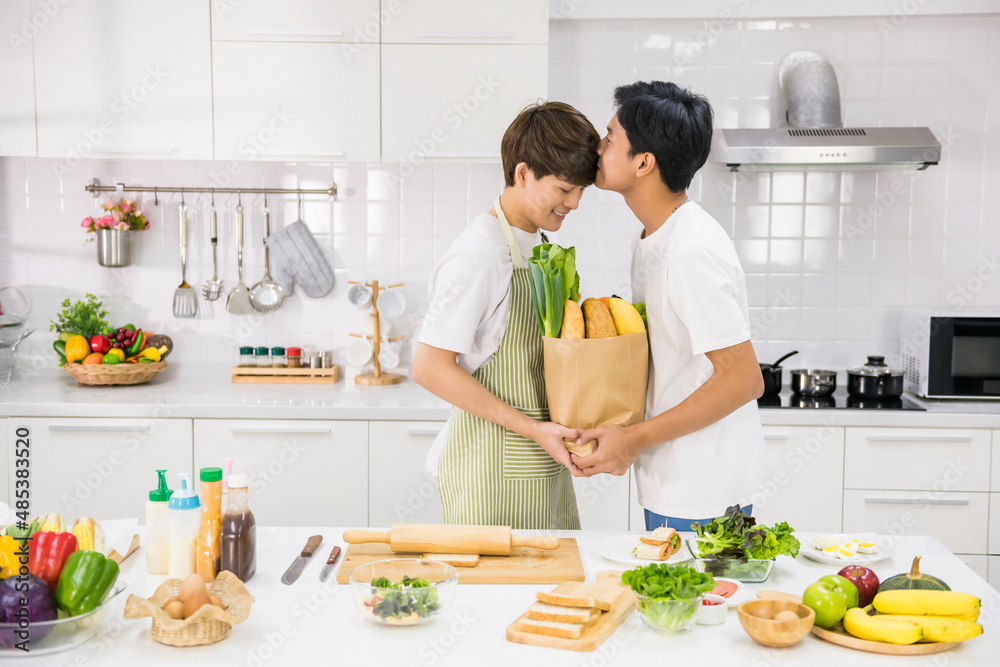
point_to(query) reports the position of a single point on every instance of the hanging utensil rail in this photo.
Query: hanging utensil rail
(96, 188)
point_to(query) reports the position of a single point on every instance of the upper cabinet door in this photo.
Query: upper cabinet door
(291, 101)
(17, 104)
(296, 21)
(443, 102)
(124, 77)
(464, 22)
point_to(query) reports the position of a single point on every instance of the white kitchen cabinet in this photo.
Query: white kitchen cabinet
(302, 472)
(296, 21)
(296, 101)
(101, 468)
(994, 532)
(995, 474)
(958, 520)
(462, 22)
(17, 104)
(129, 78)
(442, 102)
(805, 478)
(916, 459)
(400, 490)
(978, 564)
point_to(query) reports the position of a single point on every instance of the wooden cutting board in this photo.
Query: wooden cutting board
(607, 587)
(839, 636)
(523, 566)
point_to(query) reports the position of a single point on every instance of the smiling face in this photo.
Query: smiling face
(547, 200)
(615, 168)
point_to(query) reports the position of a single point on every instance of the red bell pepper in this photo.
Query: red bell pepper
(48, 552)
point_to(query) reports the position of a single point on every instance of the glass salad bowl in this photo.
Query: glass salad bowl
(667, 615)
(64, 633)
(403, 591)
(747, 570)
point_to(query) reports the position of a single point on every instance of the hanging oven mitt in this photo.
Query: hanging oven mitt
(297, 257)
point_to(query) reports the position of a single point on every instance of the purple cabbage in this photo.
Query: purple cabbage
(41, 607)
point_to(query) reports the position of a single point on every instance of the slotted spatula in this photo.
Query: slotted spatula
(185, 298)
(238, 301)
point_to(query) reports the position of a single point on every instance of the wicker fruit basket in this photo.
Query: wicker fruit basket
(209, 624)
(114, 374)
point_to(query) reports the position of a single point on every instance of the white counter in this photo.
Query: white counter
(205, 391)
(309, 623)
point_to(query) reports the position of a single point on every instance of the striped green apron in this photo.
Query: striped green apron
(490, 475)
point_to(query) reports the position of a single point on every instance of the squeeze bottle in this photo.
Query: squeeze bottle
(239, 531)
(185, 518)
(207, 563)
(158, 527)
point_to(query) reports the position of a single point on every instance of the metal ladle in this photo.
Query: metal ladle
(238, 301)
(267, 295)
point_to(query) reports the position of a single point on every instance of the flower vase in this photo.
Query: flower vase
(114, 247)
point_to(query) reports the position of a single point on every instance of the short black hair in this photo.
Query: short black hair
(671, 122)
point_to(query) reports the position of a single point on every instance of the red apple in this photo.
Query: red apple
(99, 343)
(865, 580)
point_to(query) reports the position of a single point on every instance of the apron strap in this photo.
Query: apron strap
(515, 250)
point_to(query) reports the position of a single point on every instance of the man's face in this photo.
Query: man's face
(549, 199)
(615, 169)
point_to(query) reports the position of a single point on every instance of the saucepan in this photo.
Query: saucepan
(874, 380)
(813, 381)
(772, 375)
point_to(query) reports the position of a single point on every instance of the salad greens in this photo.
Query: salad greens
(403, 599)
(735, 535)
(669, 595)
(81, 317)
(554, 281)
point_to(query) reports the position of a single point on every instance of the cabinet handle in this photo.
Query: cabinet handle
(920, 438)
(431, 34)
(295, 33)
(304, 154)
(774, 435)
(916, 501)
(280, 429)
(136, 151)
(98, 427)
(423, 431)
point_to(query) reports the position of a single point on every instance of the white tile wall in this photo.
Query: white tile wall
(830, 258)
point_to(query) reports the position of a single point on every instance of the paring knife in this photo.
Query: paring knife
(330, 562)
(300, 562)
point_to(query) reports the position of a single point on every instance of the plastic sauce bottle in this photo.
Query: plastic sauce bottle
(211, 522)
(239, 531)
(185, 518)
(158, 527)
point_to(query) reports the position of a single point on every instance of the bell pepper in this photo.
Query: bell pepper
(48, 555)
(60, 347)
(86, 579)
(153, 353)
(77, 348)
(136, 345)
(9, 560)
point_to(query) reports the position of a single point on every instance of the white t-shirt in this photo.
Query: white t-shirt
(689, 276)
(469, 296)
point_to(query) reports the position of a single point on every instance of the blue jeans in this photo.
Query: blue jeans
(654, 521)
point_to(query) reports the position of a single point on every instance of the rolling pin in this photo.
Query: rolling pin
(451, 539)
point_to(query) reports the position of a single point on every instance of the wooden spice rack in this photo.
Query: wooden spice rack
(252, 374)
(377, 377)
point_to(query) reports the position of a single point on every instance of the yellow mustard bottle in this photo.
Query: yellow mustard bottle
(207, 547)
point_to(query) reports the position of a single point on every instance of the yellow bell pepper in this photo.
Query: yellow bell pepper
(77, 348)
(153, 353)
(9, 561)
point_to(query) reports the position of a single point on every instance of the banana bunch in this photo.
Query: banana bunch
(910, 616)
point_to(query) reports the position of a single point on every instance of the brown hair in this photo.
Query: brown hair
(551, 138)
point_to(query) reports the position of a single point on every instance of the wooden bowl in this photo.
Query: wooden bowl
(757, 618)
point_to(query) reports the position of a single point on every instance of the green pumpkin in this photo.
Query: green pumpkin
(913, 580)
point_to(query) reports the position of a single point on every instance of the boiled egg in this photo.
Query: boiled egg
(867, 547)
(822, 542)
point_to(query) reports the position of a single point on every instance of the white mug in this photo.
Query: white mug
(391, 303)
(359, 352)
(360, 295)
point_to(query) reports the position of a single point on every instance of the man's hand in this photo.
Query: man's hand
(617, 450)
(549, 437)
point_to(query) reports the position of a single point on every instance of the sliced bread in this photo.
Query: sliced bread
(543, 611)
(550, 628)
(455, 560)
(573, 601)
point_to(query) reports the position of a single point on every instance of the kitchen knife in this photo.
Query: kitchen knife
(330, 562)
(451, 539)
(300, 562)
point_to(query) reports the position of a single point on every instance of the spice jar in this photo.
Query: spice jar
(295, 357)
(246, 356)
(262, 356)
(278, 358)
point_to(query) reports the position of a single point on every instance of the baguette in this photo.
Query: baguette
(598, 319)
(572, 601)
(455, 560)
(550, 628)
(542, 611)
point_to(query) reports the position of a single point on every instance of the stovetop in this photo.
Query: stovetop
(838, 400)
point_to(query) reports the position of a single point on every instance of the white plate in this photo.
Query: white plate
(619, 550)
(738, 596)
(809, 552)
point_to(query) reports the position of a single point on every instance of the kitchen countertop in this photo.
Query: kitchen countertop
(312, 623)
(190, 390)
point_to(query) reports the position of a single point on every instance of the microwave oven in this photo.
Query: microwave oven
(951, 353)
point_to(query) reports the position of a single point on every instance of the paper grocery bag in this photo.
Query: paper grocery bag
(596, 382)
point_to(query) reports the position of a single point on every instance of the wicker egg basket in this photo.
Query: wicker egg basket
(114, 374)
(209, 624)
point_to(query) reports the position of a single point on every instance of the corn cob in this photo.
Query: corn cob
(89, 535)
(53, 523)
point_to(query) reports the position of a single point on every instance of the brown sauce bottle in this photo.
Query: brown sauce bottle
(238, 536)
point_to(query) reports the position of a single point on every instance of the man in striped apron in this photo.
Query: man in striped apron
(501, 461)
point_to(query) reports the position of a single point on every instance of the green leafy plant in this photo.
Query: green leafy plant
(554, 281)
(403, 599)
(668, 595)
(84, 317)
(735, 535)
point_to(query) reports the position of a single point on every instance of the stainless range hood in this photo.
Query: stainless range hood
(815, 138)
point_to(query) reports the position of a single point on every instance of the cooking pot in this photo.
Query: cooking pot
(772, 375)
(813, 381)
(874, 380)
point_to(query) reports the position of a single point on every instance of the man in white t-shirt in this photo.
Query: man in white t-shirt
(701, 448)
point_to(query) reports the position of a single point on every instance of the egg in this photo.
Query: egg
(786, 615)
(174, 609)
(192, 604)
(175, 598)
(190, 586)
(846, 554)
(822, 542)
(216, 601)
(832, 549)
(867, 547)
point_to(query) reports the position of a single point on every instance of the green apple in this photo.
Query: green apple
(829, 598)
(844, 586)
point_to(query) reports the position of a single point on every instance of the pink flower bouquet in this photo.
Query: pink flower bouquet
(121, 215)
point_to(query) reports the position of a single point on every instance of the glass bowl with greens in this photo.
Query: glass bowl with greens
(737, 547)
(403, 591)
(668, 596)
